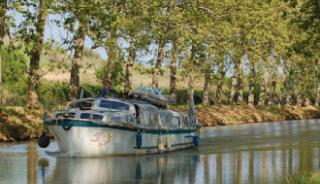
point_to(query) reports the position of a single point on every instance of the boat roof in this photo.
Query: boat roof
(129, 101)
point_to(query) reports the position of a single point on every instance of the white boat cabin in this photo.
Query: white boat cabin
(127, 112)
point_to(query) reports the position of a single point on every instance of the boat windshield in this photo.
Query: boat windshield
(114, 105)
(82, 105)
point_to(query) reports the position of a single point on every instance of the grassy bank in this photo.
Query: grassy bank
(311, 179)
(18, 123)
(222, 115)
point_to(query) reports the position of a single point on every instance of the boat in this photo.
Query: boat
(111, 126)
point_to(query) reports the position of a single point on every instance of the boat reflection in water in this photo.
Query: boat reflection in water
(144, 169)
(260, 166)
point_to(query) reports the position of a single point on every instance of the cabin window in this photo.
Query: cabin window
(148, 119)
(97, 117)
(167, 120)
(109, 104)
(88, 116)
(85, 116)
(116, 118)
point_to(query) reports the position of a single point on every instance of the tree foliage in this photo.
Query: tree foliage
(262, 47)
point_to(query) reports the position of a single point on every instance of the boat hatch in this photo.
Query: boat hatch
(114, 105)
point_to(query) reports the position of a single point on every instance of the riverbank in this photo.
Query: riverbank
(311, 179)
(19, 123)
(223, 115)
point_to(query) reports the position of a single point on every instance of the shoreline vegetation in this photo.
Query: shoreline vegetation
(312, 178)
(21, 124)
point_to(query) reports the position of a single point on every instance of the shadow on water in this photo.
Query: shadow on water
(259, 153)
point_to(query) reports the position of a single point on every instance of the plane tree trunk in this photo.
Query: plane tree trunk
(191, 79)
(240, 83)
(318, 94)
(206, 88)
(272, 92)
(76, 60)
(107, 78)
(300, 100)
(157, 69)
(237, 86)
(234, 84)
(3, 10)
(129, 66)
(173, 69)
(317, 77)
(34, 68)
(263, 90)
(287, 84)
(192, 108)
(307, 102)
(111, 50)
(252, 76)
(221, 73)
(1, 88)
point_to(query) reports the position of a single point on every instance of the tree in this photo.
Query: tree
(207, 82)
(33, 34)
(133, 18)
(173, 68)
(104, 31)
(77, 56)
(220, 79)
(175, 36)
(236, 95)
(308, 20)
(261, 32)
(160, 18)
(3, 10)
(195, 32)
(77, 15)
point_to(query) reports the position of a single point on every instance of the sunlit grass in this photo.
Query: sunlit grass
(313, 179)
(19, 123)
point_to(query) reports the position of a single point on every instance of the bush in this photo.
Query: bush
(182, 96)
(53, 94)
(117, 74)
(14, 66)
(141, 69)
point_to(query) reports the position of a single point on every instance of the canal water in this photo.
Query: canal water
(254, 153)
